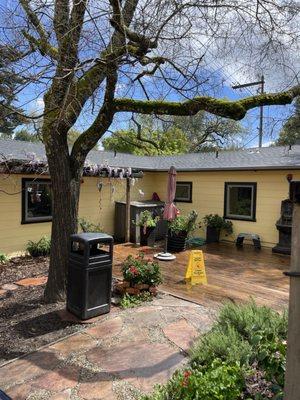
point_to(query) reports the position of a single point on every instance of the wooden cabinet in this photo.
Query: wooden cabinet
(136, 207)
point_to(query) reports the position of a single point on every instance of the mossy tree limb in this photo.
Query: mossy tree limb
(224, 108)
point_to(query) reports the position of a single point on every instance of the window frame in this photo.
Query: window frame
(24, 219)
(190, 185)
(253, 185)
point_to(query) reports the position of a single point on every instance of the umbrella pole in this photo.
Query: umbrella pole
(164, 255)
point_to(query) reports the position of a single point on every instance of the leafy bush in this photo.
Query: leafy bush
(86, 226)
(40, 248)
(141, 270)
(226, 345)
(3, 258)
(220, 381)
(242, 357)
(184, 224)
(216, 221)
(130, 301)
(147, 220)
(249, 318)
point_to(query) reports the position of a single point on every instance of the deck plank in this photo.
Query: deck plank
(233, 274)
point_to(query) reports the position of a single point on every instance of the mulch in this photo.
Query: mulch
(23, 267)
(26, 321)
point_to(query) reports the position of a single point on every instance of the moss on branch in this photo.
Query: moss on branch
(225, 108)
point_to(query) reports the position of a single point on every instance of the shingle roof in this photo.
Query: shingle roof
(263, 158)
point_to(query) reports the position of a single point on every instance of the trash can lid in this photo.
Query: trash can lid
(92, 237)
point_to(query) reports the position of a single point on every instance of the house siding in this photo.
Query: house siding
(208, 197)
(96, 207)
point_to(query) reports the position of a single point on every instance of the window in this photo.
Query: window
(184, 192)
(240, 201)
(36, 200)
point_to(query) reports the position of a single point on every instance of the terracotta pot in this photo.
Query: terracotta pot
(132, 290)
(153, 290)
(141, 286)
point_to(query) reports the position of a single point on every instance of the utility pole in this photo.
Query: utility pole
(292, 382)
(261, 112)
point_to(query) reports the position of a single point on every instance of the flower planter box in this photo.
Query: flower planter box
(132, 290)
(141, 286)
(124, 287)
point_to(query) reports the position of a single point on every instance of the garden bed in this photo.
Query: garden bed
(23, 267)
(26, 322)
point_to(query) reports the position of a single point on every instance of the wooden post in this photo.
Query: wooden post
(292, 376)
(127, 221)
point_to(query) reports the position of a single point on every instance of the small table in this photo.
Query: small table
(255, 238)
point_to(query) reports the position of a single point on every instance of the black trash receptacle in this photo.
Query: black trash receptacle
(90, 274)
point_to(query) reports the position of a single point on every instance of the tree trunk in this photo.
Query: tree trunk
(65, 195)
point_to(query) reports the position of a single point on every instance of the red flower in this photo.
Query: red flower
(186, 377)
(133, 270)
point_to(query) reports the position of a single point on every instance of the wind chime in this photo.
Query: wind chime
(112, 173)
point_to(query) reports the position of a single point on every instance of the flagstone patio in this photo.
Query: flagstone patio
(117, 358)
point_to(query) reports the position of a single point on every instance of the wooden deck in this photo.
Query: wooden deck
(233, 274)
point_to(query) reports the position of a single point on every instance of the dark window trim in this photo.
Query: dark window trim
(191, 192)
(254, 185)
(23, 217)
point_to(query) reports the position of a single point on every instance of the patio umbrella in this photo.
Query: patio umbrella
(170, 211)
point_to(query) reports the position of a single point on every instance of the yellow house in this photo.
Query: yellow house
(245, 186)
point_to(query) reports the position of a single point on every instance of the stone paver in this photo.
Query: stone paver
(181, 333)
(9, 286)
(27, 368)
(108, 328)
(19, 392)
(97, 389)
(142, 364)
(132, 350)
(77, 343)
(41, 280)
(65, 395)
(58, 380)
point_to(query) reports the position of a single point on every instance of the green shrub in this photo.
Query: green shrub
(226, 345)
(219, 223)
(242, 357)
(220, 381)
(40, 248)
(3, 258)
(248, 319)
(146, 219)
(184, 224)
(141, 270)
(131, 301)
(87, 226)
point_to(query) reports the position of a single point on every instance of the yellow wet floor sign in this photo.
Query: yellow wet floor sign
(195, 271)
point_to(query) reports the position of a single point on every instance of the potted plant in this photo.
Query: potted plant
(214, 225)
(147, 223)
(179, 230)
(140, 274)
